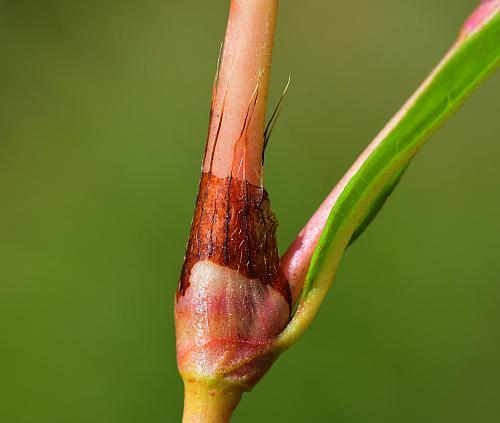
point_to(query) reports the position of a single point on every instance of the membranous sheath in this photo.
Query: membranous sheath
(232, 298)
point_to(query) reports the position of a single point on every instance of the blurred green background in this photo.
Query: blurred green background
(103, 118)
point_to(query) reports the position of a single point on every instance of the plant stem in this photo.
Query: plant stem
(206, 402)
(215, 358)
(236, 133)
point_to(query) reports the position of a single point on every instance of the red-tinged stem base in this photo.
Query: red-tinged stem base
(209, 402)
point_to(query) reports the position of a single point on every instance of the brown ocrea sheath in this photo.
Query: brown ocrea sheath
(233, 298)
(233, 227)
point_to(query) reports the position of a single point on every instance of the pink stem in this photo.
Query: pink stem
(236, 133)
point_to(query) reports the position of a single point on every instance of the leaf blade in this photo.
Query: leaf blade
(381, 166)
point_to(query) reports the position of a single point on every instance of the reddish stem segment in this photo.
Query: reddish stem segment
(236, 134)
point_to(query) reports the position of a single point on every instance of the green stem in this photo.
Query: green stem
(209, 402)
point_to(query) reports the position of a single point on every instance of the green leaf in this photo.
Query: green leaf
(379, 169)
(378, 203)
